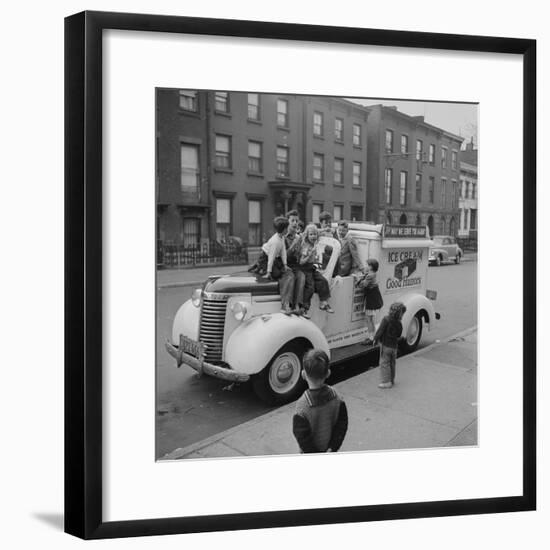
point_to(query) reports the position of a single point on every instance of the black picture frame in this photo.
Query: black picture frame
(84, 264)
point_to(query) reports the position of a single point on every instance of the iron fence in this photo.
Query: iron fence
(171, 255)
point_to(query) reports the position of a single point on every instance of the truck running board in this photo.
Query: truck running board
(340, 355)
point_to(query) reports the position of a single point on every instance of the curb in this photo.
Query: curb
(181, 452)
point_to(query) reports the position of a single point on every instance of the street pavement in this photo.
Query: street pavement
(194, 276)
(433, 404)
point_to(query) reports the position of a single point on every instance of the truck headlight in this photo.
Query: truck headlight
(239, 310)
(196, 297)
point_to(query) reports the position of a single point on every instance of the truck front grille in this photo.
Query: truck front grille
(211, 328)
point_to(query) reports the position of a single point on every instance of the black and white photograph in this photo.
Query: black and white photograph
(265, 300)
(316, 274)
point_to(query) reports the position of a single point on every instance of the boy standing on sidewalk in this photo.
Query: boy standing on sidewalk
(320, 422)
(388, 335)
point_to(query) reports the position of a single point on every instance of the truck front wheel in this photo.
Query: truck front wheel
(281, 380)
(414, 334)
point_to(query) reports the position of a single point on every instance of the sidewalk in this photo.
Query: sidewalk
(433, 404)
(195, 276)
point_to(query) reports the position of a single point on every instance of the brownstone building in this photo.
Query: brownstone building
(228, 162)
(413, 171)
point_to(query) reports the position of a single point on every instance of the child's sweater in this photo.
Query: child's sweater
(320, 421)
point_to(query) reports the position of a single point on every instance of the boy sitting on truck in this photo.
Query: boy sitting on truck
(272, 259)
(349, 260)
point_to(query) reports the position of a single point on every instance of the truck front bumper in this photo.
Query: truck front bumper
(202, 366)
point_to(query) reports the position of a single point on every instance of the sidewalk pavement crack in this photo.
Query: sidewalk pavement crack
(225, 444)
(456, 436)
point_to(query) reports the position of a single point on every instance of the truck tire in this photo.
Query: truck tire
(281, 380)
(413, 335)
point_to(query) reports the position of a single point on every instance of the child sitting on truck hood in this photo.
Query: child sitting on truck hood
(272, 258)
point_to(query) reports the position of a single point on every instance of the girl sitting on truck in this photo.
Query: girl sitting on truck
(305, 274)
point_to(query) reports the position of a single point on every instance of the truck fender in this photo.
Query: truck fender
(254, 343)
(186, 322)
(415, 303)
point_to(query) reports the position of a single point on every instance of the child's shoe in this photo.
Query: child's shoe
(325, 306)
(286, 309)
(305, 314)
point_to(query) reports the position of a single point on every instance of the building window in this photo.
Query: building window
(356, 213)
(189, 100)
(443, 192)
(282, 113)
(474, 190)
(403, 188)
(418, 149)
(339, 129)
(357, 173)
(254, 222)
(387, 185)
(338, 212)
(454, 193)
(282, 162)
(454, 160)
(339, 171)
(190, 170)
(431, 154)
(444, 157)
(191, 232)
(357, 135)
(255, 157)
(318, 166)
(316, 211)
(404, 144)
(418, 187)
(254, 106)
(403, 219)
(223, 220)
(223, 152)
(473, 218)
(222, 102)
(318, 124)
(389, 141)
(431, 189)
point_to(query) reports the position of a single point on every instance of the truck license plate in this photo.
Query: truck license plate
(196, 349)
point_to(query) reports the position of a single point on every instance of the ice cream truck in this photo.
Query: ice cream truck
(232, 328)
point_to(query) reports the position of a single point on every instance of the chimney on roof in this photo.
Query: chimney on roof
(470, 146)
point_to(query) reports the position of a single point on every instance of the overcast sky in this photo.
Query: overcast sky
(457, 118)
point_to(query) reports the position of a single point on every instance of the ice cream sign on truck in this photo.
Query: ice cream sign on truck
(233, 329)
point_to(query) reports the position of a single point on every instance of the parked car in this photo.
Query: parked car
(232, 328)
(444, 249)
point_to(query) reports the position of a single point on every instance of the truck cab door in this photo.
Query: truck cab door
(348, 312)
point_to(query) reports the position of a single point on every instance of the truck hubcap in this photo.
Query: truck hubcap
(412, 333)
(285, 372)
